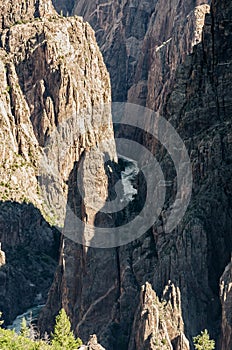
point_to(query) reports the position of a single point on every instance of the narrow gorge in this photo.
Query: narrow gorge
(59, 156)
(52, 75)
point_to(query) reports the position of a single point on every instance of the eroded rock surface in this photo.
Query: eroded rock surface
(53, 86)
(51, 70)
(143, 42)
(92, 344)
(159, 324)
(226, 300)
(23, 11)
(195, 254)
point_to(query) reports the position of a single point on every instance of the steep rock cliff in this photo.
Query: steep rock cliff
(53, 81)
(195, 254)
(158, 324)
(15, 12)
(200, 109)
(143, 42)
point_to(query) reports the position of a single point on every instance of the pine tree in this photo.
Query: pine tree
(24, 330)
(63, 338)
(203, 342)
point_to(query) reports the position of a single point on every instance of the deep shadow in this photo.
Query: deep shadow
(31, 247)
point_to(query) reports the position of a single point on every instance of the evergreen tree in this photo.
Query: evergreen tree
(203, 342)
(63, 338)
(24, 330)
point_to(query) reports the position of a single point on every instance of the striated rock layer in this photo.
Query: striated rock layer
(53, 86)
(143, 42)
(100, 289)
(159, 324)
(18, 12)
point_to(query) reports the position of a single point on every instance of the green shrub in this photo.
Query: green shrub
(62, 339)
(203, 342)
(24, 330)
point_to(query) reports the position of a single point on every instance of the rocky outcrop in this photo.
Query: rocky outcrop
(92, 344)
(2, 257)
(23, 11)
(54, 82)
(158, 324)
(52, 72)
(226, 300)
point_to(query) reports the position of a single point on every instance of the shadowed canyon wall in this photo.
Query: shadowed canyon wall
(143, 42)
(52, 78)
(191, 87)
(162, 289)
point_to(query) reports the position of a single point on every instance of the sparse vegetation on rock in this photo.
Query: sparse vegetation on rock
(203, 341)
(62, 339)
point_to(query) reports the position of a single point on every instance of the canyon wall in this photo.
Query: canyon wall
(200, 109)
(53, 81)
(191, 88)
(143, 42)
(162, 289)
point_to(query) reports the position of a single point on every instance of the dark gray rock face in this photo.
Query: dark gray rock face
(143, 42)
(198, 103)
(64, 7)
(200, 109)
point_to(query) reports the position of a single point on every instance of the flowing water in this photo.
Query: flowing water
(31, 316)
(128, 176)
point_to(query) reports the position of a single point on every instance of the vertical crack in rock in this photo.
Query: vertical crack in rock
(53, 83)
(191, 86)
(143, 43)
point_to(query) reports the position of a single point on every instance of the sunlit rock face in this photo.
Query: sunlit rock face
(159, 324)
(143, 42)
(2, 257)
(191, 86)
(226, 300)
(13, 12)
(54, 86)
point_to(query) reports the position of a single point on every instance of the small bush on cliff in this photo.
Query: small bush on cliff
(9, 340)
(203, 342)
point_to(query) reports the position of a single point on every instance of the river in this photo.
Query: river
(31, 316)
